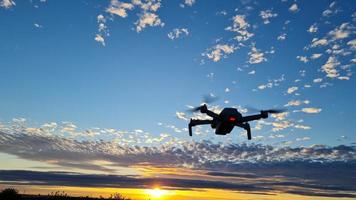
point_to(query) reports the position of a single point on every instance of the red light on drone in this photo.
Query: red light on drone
(232, 119)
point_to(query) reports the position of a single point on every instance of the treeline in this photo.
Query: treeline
(13, 194)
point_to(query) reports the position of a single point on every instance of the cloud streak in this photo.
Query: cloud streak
(254, 179)
(197, 155)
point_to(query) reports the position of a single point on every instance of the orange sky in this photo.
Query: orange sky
(144, 194)
(143, 170)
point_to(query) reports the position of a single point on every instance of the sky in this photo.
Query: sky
(99, 90)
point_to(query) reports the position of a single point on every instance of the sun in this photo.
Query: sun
(156, 193)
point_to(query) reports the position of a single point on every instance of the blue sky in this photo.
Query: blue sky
(103, 87)
(53, 70)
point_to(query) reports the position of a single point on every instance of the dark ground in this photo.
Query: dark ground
(12, 194)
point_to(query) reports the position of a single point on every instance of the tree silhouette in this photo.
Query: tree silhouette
(10, 194)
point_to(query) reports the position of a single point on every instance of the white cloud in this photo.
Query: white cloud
(102, 30)
(181, 115)
(279, 126)
(258, 137)
(330, 67)
(37, 25)
(293, 103)
(332, 4)
(352, 44)
(319, 42)
(327, 13)
(189, 2)
(272, 136)
(220, 51)
(240, 26)
(266, 15)
(227, 90)
(147, 16)
(325, 84)
(292, 90)
(148, 5)
(280, 116)
(240, 22)
(174, 128)
(102, 27)
(176, 33)
(341, 32)
(49, 126)
(252, 72)
(302, 59)
(337, 50)
(210, 75)
(294, 8)
(256, 56)
(7, 3)
(148, 19)
(344, 78)
(318, 80)
(297, 102)
(100, 39)
(313, 28)
(268, 85)
(302, 139)
(282, 36)
(272, 83)
(119, 8)
(299, 126)
(311, 110)
(315, 56)
(221, 13)
(101, 19)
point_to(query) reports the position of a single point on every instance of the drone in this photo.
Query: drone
(228, 118)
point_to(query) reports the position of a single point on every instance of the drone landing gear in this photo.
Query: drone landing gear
(194, 122)
(247, 127)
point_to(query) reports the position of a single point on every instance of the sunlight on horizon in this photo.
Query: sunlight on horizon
(156, 193)
(159, 194)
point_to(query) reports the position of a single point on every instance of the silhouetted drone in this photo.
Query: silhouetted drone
(224, 122)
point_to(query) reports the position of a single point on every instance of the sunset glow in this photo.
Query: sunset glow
(178, 99)
(156, 193)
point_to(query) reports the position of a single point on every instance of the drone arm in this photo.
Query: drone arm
(194, 122)
(204, 109)
(254, 117)
(212, 114)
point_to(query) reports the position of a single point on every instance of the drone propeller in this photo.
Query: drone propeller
(272, 111)
(206, 100)
(194, 109)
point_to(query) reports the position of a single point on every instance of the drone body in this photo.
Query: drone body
(225, 122)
